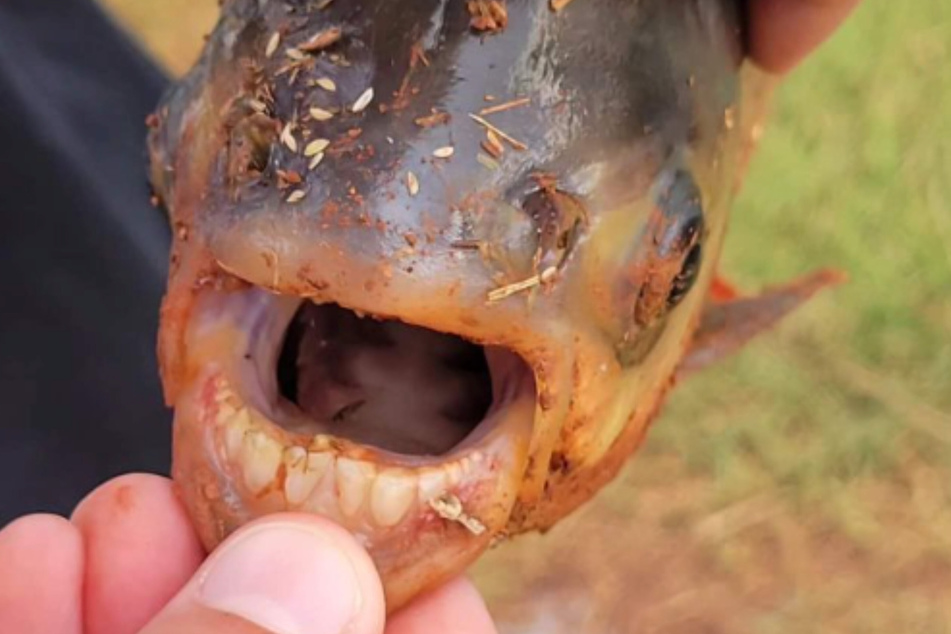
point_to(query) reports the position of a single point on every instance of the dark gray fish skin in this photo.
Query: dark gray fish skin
(613, 197)
(626, 97)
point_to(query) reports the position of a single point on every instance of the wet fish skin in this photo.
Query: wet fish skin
(635, 137)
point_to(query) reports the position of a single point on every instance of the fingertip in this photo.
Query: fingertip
(783, 32)
(39, 527)
(284, 573)
(455, 607)
(140, 550)
(41, 571)
(124, 495)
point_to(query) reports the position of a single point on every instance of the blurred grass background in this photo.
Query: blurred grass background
(805, 485)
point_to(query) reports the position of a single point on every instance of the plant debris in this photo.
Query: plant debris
(287, 178)
(327, 84)
(508, 105)
(449, 507)
(487, 161)
(287, 137)
(432, 120)
(296, 196)
(418, 54)
(558, 5)
(319, 114)
(412, 183)
(322, 40)
(316, 147)
(508, 290)
(487, 15)
(363, 101)
(493, 145)
(518, 145)
(272, 44)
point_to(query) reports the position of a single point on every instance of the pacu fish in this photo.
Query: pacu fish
(437, 263)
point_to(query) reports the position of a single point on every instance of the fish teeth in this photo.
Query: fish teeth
(319, 462)
(455, 471)
(235, 430)
(314, 478)
(295, 457)
(391, 497)
(353, 483)
(303, 472)
(432, 484)
(260, 457)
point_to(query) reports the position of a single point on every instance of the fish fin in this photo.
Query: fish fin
(722, 290)
(727, 325)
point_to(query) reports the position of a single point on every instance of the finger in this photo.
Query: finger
(140, 550)
(288, 574)
(456, 608)
(785, 31)
(41, 571)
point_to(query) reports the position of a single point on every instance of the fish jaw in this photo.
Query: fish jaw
(581, 336)
(233, 463)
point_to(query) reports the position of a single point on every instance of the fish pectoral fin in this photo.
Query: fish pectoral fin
(727, 324)
(723, 290)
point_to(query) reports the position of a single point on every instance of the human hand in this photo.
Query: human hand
(129, 562)
(783, 32)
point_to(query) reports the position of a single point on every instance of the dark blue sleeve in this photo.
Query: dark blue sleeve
(82, 258)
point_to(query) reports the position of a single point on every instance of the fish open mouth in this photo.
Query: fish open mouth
(371, 421)
(384, 383)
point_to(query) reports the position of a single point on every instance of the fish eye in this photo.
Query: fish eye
(667, 264)
(682, 235)
(687, 276)
(682, 212)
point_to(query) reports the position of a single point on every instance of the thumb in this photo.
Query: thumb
(785, 31)
(283, 575)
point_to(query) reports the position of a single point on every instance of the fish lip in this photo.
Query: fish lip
(265, 316)
(233, 338)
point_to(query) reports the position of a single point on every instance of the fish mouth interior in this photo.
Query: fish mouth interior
(383, 383)
(412, 395)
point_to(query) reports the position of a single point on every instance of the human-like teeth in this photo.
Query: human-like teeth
(353, 481)
(260, 456)
(391, 497)
(432, 484)
(303, 472)
(235, 432)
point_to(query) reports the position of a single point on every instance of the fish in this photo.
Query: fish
(437, 265)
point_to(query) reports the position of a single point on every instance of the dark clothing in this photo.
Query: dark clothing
(82, 255)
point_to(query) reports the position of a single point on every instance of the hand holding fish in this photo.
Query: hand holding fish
(129, 561)
(786, 31)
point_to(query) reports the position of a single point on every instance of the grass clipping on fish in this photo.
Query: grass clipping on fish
(449, 507)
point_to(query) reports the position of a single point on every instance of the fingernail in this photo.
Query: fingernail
(284, 578)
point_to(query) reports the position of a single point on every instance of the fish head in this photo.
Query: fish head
(436, 263)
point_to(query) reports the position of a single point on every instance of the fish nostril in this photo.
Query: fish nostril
(558, 219)
(250, 144)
